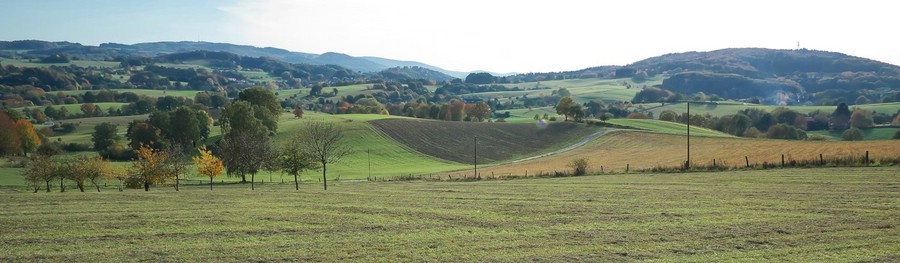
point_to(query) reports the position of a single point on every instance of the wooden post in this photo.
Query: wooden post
(627, 167)
(714, 163)
(747, 160)
(601, 169)
(782, 161)
(867, 158)
(821, 160)
(526, 173)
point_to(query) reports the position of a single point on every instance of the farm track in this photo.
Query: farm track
(580, 143)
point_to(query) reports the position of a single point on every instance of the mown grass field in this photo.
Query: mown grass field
(76, 108)
(799, 215)
(644, 150)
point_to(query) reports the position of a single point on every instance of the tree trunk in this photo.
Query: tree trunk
(324, 180)
(62, 187)
(81, 187)
(48, 185)
(37, 187)
(98, 187)
(176, 183)
(253, 181)
(296, 183)
(210, 183)
(146, 186)
(243, 178)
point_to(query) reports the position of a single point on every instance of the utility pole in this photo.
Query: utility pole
(476, 156)
(368, 156)
(687, 165)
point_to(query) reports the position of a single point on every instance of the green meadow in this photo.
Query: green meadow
(783, 215)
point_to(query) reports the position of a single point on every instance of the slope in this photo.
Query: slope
(455, 141)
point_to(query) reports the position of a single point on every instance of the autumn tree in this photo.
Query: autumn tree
(479, 111)
(150, 166)
(566, 107)
(325, 142)
(861, 118)
(95, 170)
(293, 158)
(40, 169)
(208, 165)
(10, 139)
(141, 132)
(28, 137)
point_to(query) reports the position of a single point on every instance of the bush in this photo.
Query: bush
(579, 166)
(134, 182)
(852, 134)
(553, 118)
(76, 147)
(818, 137)
(897, 135)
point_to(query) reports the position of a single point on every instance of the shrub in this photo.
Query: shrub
(852, 134)
(817, 137)
(897, 135)
(76, 147)
(553, 118)
(579, 166)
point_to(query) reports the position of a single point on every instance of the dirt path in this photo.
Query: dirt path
(580, 143)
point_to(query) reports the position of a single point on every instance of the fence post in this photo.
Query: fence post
(601, 169)
(747, 160)
(714, 163)
(526, 173)
(867, 158)
(821, 160)
(627, 167)
(782, 161)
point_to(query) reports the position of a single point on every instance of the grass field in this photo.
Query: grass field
(885, 133)
(76, 108)
(643, 150)
(667, 127)
(796, 215)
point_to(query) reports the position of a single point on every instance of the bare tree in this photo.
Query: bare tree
(244, 153)
(292, 158)
(325, 143)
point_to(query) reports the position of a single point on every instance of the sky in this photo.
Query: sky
(467, 35)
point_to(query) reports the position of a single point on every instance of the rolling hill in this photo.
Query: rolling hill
(152, 49)
(818, 77)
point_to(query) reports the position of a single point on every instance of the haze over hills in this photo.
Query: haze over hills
(103, 51)
(768, 75)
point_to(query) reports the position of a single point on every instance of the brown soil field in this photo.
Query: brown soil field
(642, 150)
(454, 141)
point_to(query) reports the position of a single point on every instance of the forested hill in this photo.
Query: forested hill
(107, 51)
(800, 75)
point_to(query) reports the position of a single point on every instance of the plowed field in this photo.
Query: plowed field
(455, 141)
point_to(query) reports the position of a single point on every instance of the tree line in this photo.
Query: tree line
(163, 147)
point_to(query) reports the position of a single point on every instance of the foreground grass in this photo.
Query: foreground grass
(786, 215)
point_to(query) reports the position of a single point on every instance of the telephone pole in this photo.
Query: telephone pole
(687, 165)
(476, 156)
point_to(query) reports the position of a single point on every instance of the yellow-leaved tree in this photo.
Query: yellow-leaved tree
(150, 166)
(208, 165)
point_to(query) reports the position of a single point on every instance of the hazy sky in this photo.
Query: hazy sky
(464, 35)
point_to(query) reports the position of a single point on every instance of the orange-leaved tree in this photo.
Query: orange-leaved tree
(30, 139)
(208, 165)
(151, 166)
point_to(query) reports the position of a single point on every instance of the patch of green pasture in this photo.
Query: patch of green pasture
(667, 127)
(76, 108)
(388, 157)
(870, 134)
(805, 215)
